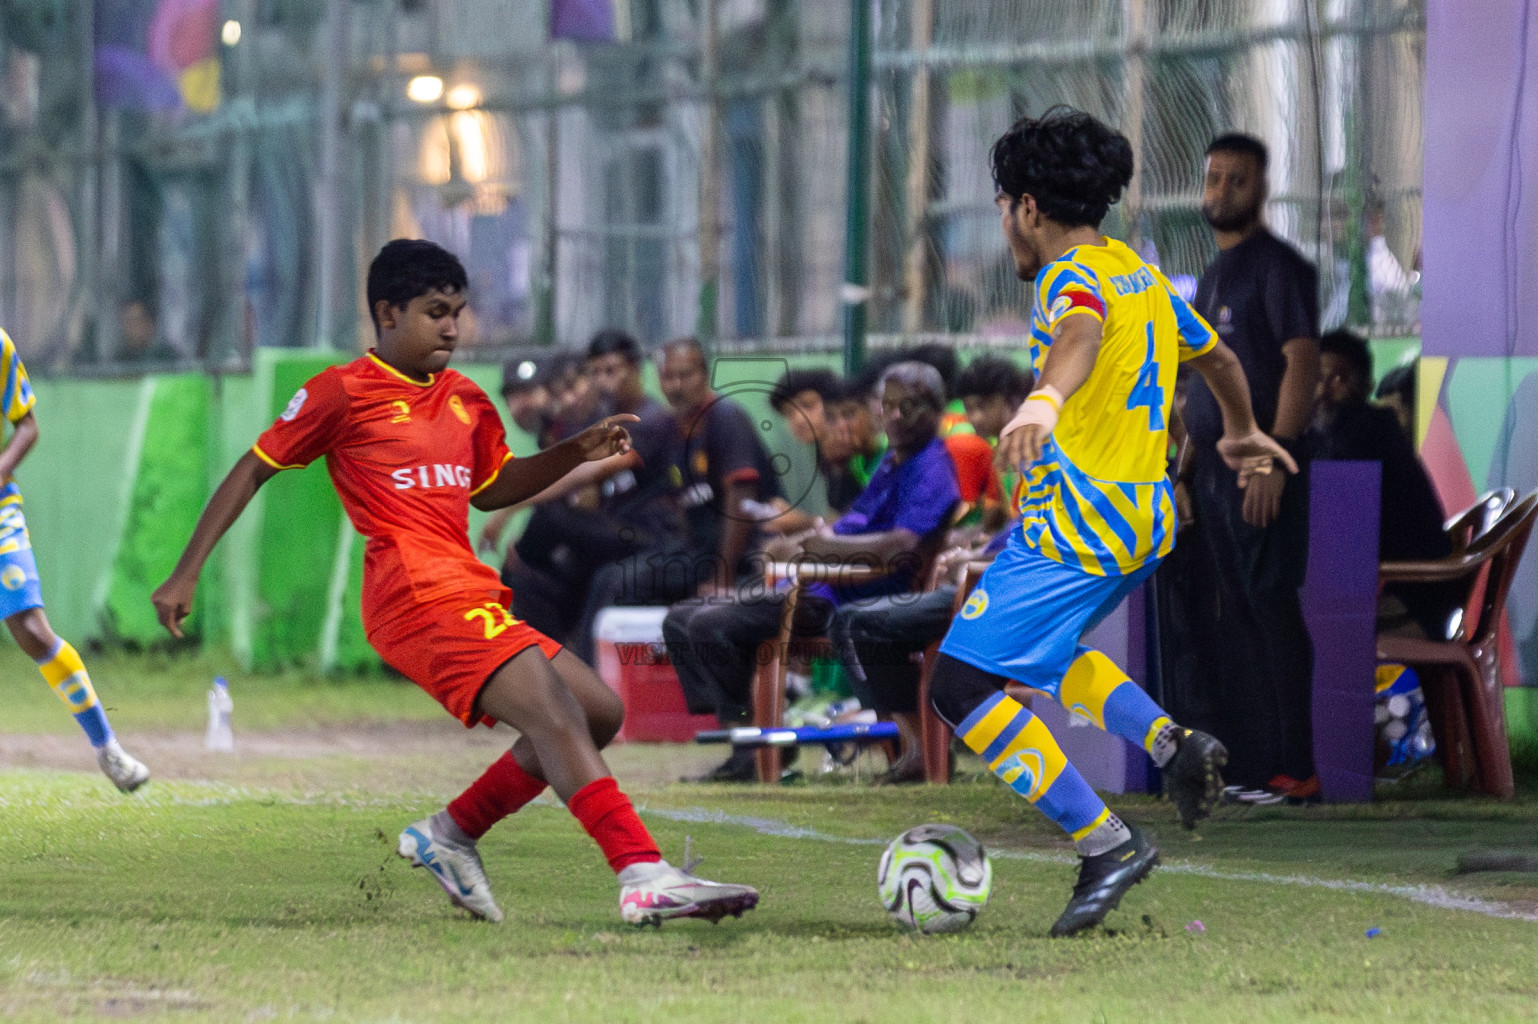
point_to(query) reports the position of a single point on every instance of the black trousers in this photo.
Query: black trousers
(561, 550)
(1238, 661)
(877, 640)
(660, 575)
(713, 644)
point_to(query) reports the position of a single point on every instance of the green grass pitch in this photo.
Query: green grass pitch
(264, 886)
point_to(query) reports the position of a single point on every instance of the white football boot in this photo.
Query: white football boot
(652, 893)
(457, 868)
(126, 772)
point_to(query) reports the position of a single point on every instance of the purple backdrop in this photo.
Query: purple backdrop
(1340, 601)
(587, 21)
(1481, 178)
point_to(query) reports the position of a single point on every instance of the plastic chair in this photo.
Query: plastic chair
(934, 734)
(1461, 674)
(768, 691)
(774, 655)
(1476, 520)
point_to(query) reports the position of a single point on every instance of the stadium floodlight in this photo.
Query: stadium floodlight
(424, 88)
(463, 97)
(229, 35)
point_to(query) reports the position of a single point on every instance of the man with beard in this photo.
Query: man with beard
(1245, 673)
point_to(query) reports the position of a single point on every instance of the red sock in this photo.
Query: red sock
(503, 789)
(610, 819)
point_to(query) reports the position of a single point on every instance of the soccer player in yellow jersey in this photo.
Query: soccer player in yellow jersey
(21, 593)
(1097, 512)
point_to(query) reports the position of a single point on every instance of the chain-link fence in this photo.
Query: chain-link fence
(184, 180)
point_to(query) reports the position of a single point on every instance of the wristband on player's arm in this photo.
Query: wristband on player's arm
(1047, 393)
(1041, 407)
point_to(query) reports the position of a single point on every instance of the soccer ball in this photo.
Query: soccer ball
(934, 878)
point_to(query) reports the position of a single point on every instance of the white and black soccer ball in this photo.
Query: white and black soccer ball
(934, 878)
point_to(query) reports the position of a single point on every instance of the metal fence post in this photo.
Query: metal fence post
(856, 291)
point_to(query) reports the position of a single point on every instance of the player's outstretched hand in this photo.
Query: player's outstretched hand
(606, 437)
(173, 603)
(1022, 439)
(1020, 446)
(1253, 453)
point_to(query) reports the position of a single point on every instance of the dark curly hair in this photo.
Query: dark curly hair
(408, 267)
(1073, 165)
(986, 376)
(824, 382)
(611, 340)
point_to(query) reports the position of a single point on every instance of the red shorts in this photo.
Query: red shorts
(452, 647)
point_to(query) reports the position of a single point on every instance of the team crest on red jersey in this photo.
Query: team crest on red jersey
(459, 410)
(294, 405)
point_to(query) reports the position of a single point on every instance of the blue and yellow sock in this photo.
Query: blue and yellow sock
(1095, 688)
(66, 674)
(1022, 751)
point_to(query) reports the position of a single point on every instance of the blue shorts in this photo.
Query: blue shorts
(1024, 620)
(20, 588)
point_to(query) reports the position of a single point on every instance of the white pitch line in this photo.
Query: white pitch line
(1429, 895)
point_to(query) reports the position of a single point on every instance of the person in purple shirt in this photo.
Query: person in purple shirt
(897, 520)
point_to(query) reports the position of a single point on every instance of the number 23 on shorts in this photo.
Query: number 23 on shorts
(495, 618)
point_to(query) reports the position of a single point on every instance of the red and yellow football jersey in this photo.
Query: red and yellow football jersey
(405, 458)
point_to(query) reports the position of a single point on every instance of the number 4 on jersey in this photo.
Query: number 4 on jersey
(1147, 391)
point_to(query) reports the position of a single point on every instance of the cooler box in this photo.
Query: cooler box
(634, 662)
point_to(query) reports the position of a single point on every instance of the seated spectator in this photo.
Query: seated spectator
(526, 391)
(981, 491)
(982, 495)
(851, 419)
(880, 640)
(718, 463)
(571, 406)
(1347, 426)
(567, 541)
(804, 400)
(1396, 392)
(713, 642)
(944, 359)
(991, 389)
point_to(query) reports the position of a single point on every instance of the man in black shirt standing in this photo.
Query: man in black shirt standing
(1246, 671)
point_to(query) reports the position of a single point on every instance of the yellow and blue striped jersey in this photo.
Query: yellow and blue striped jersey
(1099, 498)
(17, 399)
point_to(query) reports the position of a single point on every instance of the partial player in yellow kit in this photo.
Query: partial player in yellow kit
(21, 592)
(1097, 511)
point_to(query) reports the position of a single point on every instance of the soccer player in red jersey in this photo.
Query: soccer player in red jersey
(410, 445)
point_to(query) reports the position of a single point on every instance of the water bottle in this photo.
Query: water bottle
(219, 736)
